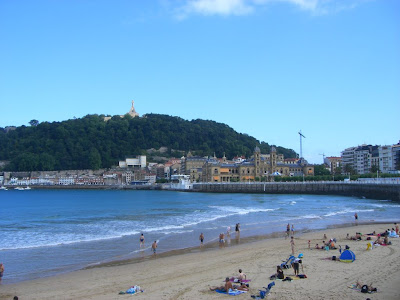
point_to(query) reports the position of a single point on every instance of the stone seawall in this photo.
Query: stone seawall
(372, 191)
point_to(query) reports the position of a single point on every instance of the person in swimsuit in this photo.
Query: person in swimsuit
(237, 228)
(242, 276)
(1, 271)
(154, 247)
(224, 288)
(287, 230)
(201, 238)
(221, 239)
(141, 240)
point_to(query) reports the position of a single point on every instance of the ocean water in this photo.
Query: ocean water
(47, 232)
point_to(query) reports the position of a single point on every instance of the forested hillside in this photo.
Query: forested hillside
(92, 143)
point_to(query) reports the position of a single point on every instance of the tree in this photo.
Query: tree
(321, 170)
(34, 122)
(374, 168)
(94, 159)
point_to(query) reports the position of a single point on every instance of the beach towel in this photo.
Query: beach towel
(231, 292)
(236, 280)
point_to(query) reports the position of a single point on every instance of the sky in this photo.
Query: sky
(267, 68)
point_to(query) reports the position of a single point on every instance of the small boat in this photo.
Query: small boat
(3, 188)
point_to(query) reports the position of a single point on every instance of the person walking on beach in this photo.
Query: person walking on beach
(1, 271)
(141, 240)
(154, 247)
(356, 217)
(292, 244)
(292, 230)
(201, 238)
(287, 230)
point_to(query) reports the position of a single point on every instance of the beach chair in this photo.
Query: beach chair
(264, 293)
(288, 263)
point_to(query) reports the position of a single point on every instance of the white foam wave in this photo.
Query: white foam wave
(347, 211)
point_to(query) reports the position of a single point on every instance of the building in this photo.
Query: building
(136, 163)
(259, 167)
(385, 159)
(193, 166)
(333, 162)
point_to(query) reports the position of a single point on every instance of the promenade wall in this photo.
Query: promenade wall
(367, 190)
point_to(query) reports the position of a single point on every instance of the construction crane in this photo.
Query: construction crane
(301, 145)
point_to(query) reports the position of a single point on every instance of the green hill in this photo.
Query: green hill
(92, 143)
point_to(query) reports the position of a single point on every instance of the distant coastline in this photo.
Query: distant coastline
(362, 190)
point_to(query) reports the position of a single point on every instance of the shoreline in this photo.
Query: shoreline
(188, 273)
(213, 245)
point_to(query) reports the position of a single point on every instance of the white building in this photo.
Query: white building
(138, 162)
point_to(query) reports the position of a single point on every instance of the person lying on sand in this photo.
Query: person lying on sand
(370, 287)
(242, 287)
(224, 288)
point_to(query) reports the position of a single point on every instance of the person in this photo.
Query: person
(237, 228)
(370, 287)
(154, 247)
(397, 228)
(221, 239)
(201, 238)
(224, 288)
(292, 230)
(378, 241)
(309, 244)
(242, 276)
(243, 287)
(1, 271)
(279, 272)
(292, 244)
(295, 265)
(355, 217)
(15, 298)
(141, 240)
(287, 230)
(325, 238)
(317, 246)
(228, 231)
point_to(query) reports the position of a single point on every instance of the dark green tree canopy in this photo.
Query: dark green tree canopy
(90, 142)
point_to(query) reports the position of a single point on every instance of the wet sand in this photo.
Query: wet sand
(189, 273)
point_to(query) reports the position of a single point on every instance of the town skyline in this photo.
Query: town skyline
(265, 68)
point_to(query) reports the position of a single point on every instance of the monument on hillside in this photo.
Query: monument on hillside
(132, 112)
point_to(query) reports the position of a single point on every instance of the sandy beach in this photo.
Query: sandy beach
(189, 274)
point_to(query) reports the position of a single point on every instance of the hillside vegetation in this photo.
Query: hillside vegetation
(92, 143)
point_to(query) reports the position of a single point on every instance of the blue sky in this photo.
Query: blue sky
(268, 68)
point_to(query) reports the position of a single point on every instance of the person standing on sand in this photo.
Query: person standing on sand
(397, 228)
(141, 240)
(292, 230)
(201, 238)
(1, 271)
(356, 217)
(154, 247)
(292, 244)
(287, 230)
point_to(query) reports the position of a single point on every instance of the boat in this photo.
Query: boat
(3, 188)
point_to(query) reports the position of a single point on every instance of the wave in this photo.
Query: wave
(346, 211)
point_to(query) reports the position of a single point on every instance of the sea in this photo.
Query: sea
(49, 232)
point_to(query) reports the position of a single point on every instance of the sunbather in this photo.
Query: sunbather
(242, 276)
(242, 287)
(279, 272)
(224, 288)
(370, 287)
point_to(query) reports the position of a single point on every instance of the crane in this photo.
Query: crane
(301, 146)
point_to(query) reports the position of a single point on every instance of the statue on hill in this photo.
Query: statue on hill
(133, 112)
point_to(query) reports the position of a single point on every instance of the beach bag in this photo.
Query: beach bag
(364, 289)
(334, 257)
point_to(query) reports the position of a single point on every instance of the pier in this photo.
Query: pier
(388, 191)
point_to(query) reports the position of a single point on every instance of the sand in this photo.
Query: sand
(190, 274)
